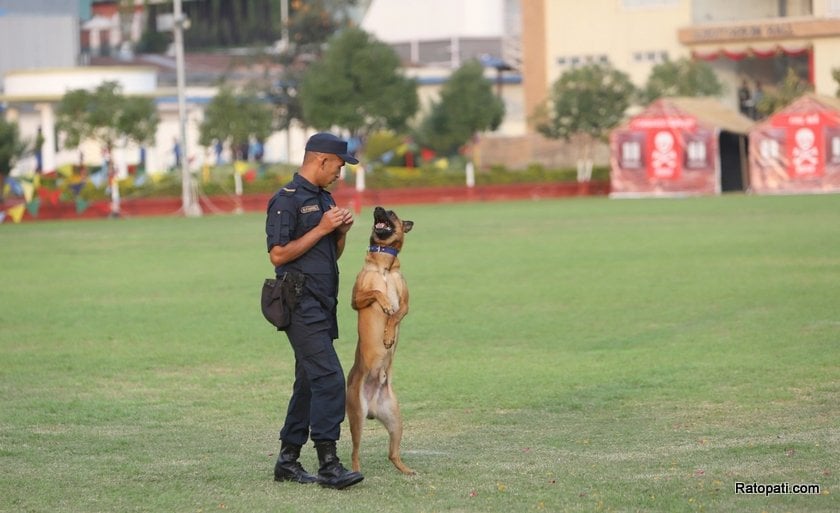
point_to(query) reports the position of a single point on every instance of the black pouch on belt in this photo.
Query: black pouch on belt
(279, 298)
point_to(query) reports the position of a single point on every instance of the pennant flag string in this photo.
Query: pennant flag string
(16, 212)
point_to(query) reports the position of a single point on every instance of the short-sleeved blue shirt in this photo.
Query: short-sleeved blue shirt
(292, 211)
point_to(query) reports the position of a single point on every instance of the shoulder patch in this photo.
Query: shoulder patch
(309, 208)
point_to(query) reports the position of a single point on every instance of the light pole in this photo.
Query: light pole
(284, 22)
(189, 193)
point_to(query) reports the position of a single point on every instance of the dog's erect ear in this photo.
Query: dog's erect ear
(407, 226)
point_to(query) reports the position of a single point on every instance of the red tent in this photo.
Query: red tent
(797, 149)
(680, 147)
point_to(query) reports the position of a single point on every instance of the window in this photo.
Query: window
(651, 56)
(696, 155)
(631, 155)
(577, 60)
(833, 145)
(769, 149)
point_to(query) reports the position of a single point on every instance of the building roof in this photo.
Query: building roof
(802, 103)
(707, 110)
(712, 111)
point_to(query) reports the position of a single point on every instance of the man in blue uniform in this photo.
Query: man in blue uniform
(305, 235)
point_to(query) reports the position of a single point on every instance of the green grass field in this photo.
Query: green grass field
(574, 355)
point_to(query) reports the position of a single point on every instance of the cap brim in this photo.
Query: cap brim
(349, 159)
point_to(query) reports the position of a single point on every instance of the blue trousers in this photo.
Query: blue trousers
(316, 408)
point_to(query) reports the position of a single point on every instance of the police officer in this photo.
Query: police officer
(305, 234)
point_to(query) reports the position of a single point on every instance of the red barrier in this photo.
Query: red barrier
(344, 195)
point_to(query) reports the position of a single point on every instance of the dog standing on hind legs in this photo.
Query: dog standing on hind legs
(380, 296)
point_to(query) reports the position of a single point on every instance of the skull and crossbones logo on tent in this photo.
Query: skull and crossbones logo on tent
(806, 156)
(664, 155)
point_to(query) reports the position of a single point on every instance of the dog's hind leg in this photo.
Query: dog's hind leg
(388, 412)
(356, 413)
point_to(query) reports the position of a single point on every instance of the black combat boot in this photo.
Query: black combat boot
(332, 473)
(287, 467)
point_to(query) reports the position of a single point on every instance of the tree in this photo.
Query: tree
(467, 105)
(791, 88)
(583, 105)
(108, 117)
(309, 26)
(11, 148)
(683, 77)
(311, 23)
(285, 95)
(236, 118)
(358, 86)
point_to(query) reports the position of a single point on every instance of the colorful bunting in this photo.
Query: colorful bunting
(81, 204)
(16, 212)
(28, 190)
(50, 195)
(66, 170)
(14, 186)
(34, 206)
(77, 188)
(98, 179)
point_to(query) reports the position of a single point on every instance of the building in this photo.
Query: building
(422, 36)
(525, 45)
(38, 33)
(111, 29)
(432, 45)
(753, 40)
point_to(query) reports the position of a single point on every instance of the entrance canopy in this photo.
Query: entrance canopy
(674, 147)
(737, 53)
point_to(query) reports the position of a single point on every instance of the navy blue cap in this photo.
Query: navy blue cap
(324, 142)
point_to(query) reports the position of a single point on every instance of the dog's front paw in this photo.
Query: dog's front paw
(387, 309)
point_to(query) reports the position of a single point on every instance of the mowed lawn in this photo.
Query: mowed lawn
(560, 355)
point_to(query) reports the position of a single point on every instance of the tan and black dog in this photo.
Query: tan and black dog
(380, 296)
